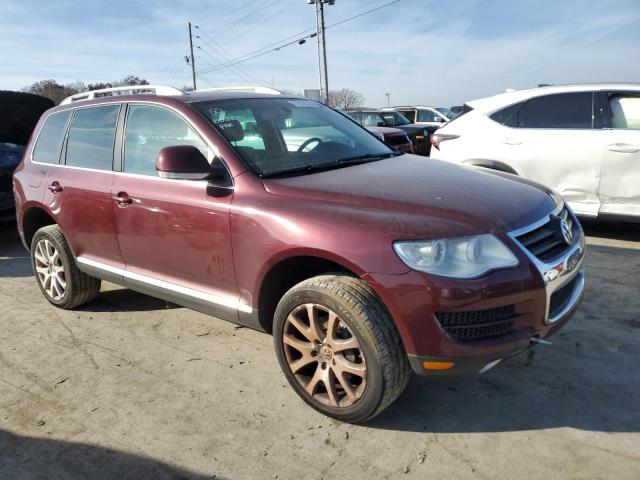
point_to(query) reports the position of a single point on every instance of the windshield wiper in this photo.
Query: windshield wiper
(307, 168)
(367, 157)
(343, 162)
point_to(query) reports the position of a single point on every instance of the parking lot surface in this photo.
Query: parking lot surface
(130, 387)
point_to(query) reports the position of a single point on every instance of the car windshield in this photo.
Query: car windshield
(277, 136)
(447, 112)
(393, 119)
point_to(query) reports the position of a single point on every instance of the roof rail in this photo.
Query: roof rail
(244, 88)
(105, 92)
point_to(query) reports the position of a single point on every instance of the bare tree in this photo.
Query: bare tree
(345, 99)
(130, 80)
(54, 90)
(57, 92)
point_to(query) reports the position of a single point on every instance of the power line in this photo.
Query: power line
(299, 40)
(228, 14)
(219, 50)
(250, 29)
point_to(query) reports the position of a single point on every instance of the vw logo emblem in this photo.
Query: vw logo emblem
(567, 234)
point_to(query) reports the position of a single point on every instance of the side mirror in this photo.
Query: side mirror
(440, 120)
(380, 124)
(183, 162)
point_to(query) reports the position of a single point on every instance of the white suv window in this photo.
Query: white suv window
(562, 110)
(625, 111)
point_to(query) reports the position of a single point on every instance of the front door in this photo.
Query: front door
(619, 190)
(175, 239)
(552, 141)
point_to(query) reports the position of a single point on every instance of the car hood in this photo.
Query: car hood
(423, 196)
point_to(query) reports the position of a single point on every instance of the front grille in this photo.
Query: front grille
(478, 324)
(396, 139)
(546, 242)
(561, 297)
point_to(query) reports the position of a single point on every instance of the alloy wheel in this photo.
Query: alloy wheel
(324, 355)
(50, 270)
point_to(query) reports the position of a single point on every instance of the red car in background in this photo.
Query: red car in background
(397, 139)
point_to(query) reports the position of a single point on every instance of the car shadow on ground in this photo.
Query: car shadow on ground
(612, 230)
(125, 300)
(25, 458)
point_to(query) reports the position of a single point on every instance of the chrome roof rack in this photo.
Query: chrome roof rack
(106, 92)
(243, 88)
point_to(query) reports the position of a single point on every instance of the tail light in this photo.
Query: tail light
(438, 138)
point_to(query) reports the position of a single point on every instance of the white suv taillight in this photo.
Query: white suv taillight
(438, 138)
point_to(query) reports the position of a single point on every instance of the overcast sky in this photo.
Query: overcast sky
(420, 51)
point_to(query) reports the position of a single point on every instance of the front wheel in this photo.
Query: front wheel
(339, 349)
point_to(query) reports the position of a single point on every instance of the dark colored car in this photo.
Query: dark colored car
(19, 114)
(419, 134)
(283, 215)
(395, 138)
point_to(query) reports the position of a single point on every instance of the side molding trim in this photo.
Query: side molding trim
(161, 288)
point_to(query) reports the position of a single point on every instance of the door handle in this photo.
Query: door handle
(55, 188)
(511, 141)
(623, 148)
(123, 199)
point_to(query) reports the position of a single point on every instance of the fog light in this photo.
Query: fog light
(437, 365)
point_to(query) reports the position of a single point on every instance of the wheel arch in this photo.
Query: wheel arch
(285, 272)
(33, 219)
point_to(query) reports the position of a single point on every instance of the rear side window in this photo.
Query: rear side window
(150, 129)
(91, 136)
(411, 115)
(625, 111)
(507, 116)
(564, 110)
(47, 149)
(426, 116)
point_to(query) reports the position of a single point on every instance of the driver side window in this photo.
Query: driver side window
(148, 130)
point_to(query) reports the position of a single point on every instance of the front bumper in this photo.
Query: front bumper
(414, 299)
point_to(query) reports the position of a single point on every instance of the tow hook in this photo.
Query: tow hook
(541, 341)
(531, 352)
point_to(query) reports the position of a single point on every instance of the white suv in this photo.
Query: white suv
(581, 140)
(420, 115)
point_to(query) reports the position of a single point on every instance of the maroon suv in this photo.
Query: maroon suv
(284, 215)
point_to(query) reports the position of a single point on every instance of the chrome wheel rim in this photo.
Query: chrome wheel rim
(324, 355)
(50, 270)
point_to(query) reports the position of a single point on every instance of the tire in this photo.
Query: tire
(56, 270)
(375, 373)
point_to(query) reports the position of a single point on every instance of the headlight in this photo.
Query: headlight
(463, 257)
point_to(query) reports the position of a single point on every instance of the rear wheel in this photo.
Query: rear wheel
(338, 347)
(56, 271)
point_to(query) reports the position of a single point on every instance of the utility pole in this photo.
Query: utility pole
(193, 59)
(322, 47)
(387, 94)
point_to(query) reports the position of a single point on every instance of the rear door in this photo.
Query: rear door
(174, 237)
(551, 139)
(79, 190)
(619, 190)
